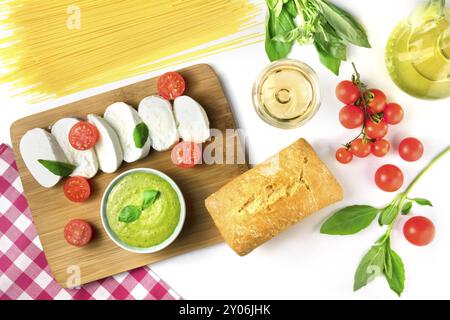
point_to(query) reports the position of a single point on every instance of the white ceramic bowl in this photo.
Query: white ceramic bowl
(163, 244)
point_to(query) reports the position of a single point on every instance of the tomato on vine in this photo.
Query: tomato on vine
(376, 100)
(393, 113)
(380, 148)
(351, 117)
(360, 148)
(376, 130)
(343, 155)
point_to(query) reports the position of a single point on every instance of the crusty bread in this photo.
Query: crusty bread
(262, 202)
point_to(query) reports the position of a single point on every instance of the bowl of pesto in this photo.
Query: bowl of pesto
(143, 210)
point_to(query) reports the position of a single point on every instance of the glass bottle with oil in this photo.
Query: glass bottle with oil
(418, 52)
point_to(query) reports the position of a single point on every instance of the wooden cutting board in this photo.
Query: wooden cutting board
(102, 258)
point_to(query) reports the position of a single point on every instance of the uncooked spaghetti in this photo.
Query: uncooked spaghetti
(53, 48)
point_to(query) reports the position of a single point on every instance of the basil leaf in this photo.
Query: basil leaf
(289, 36)
(140, 135)
(60, 169)
(407, 207)
(349, 220)
(371, 265)
(345, 24)
(149, 197)
(332, 63)
(396, 274)
(291, 8)
(278, 26)
(129, 214)
(331, 42)
(388, 214)
(422, 202)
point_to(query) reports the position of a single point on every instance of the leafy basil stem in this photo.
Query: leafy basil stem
(381, 258)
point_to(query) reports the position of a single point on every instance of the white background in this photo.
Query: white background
(301, 263)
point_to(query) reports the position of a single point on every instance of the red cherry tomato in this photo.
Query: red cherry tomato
(78, 232)
(347, 92)
(419, 231)
(171, 85)
(360, 148)
(410, 149)
(380, 148)
(393, 113)
(77, 189)
(186, 155)
(376, 130)
(343, 155)
(83, 136)
(378, 101)
(351, 117)
(389, 178)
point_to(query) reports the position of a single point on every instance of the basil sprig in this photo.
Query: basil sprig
(325, 25)
(381, 259)
(140, 135)
(132, 213)
(58, 168)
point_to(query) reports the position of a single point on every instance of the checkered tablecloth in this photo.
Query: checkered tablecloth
(24, 271)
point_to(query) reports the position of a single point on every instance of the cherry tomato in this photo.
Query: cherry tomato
(347, 92)
(171, 85)
(351, 117)
(186, 155)
(360, 148)
(376, 130)
(393, 113)
(419, 231)
(77, 189)
(410, 149)
(343, 155)
(378, 102)
(389, 178)
(78, 232)
(83, 136)
(380, 148)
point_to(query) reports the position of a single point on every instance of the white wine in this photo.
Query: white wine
(418, 52)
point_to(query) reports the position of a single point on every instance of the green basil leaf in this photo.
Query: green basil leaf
(330, 42)
(140, 135)
(276, 26)
(129, 214)
(349, 220)
(332, 63)
(422, 202)
(289, 36)
(407, 207)
(291, 8)
(345, 24)
(396, 274)
(388, 214)
(60, 169)
(149, 197)
(371, 265)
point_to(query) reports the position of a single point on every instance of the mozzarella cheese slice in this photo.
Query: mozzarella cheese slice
(193, 123)
(85, 161)
(124, 119)
(38, 144)
(108, 148)
(157, 114)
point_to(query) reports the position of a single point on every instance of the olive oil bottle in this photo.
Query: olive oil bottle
(418, 52)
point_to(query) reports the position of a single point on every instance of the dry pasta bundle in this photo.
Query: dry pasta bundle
(53, 48)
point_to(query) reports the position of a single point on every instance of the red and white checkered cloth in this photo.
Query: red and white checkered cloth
(24, 271)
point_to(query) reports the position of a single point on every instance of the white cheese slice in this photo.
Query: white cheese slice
(108, 148)
(38, 144)
(86, 161)
(157, 114)
(124, 119)
(193, 123)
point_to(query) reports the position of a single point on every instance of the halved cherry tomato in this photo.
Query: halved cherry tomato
(83, 136)
(171, 85)
(77, 189)
(343, 155)
(376, 130)
(389, 178)
(419, 231)
(186, 155)
(378, 101)
(380, 148)
(393, 113)
(360, 148)
(347, 92)
(410, 149)
(351, 117)
(78, 232)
